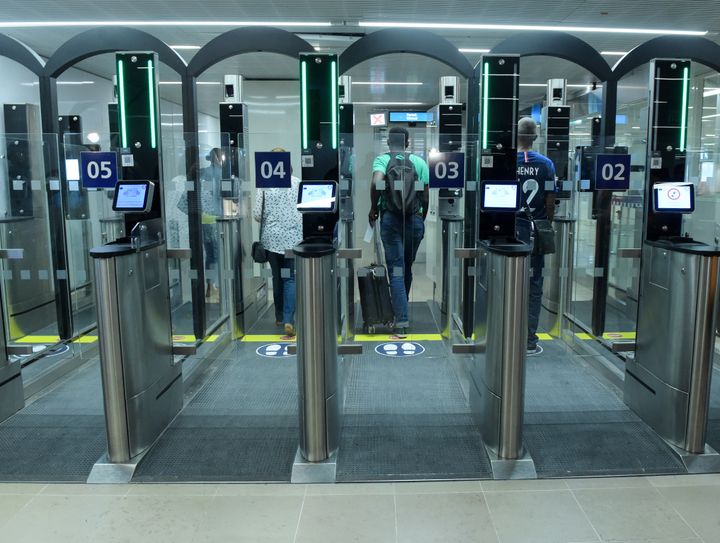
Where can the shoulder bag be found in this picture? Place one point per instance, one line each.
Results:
(544, 235)
(259, 253)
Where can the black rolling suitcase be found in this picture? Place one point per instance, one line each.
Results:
(374, 291)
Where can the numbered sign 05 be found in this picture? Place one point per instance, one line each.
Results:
(272, 170)
(612, 172)
(447, 170)
(98, 170)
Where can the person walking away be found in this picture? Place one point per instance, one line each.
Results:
(536, 174)
(276, 210)
(402, 216)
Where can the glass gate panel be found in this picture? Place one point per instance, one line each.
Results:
(28, 288)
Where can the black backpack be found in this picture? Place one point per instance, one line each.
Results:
(401, 169)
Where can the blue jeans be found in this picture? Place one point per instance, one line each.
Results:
(283, 272)
(401, 237)
(537, 263)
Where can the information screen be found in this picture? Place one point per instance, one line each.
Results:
(500, 196)
(674, 197)
(317, 197)
(133, 196)
(408, 116)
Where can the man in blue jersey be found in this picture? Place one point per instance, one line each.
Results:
(536, 174)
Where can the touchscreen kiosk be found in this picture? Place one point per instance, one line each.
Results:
(133, 196)
(498, 196)
(317, 197)
(674, 197)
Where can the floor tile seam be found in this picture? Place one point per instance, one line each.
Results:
(299, 520)
(586, 515)
(677, 511)
(489, 512)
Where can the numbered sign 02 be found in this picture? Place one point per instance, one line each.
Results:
(272, 170)
(447, 170)
(612, 172)
(98, 170)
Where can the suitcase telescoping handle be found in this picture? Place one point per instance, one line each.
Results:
(377, 245)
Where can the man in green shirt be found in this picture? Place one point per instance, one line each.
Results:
(400, 197)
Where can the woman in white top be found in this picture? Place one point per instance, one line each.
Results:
(281, 223)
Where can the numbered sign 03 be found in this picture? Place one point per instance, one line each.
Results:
(447, 170)
(272, 170)
(612, 172)
(98, 170)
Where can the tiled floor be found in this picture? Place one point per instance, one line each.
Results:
(671, 509)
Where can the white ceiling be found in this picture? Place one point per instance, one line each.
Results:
(345, 15)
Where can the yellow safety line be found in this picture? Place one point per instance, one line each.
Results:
(619, 335)
(583, 336)
(545, 337)
(86, 339)
(38, 339)
(266, 338)
(388, 337)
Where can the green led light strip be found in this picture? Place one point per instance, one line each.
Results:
(121, 93)
(151, 94)
(486, 82)
(683, 121)
(333, 92)
(303, 84)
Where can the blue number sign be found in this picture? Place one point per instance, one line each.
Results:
(98, 170)
(447, 170)
(272, 170)
(612, 172)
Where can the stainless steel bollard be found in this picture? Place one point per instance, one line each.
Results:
(111, 363)
(317, 340)
(668, 381)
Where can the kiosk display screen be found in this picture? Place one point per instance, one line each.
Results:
(317, 197)
(499, 196)
(133, 196)
(674, 197)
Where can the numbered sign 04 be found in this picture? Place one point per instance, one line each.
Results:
(98, 170)
(447, 170)
(272, 170)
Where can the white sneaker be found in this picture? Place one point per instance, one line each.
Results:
(536, 350)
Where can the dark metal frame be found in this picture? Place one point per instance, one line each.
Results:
(87, 44)
(231, 43)
(403, 40)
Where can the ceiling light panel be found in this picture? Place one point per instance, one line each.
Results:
(550, 28)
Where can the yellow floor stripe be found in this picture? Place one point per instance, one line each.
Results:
(583, 336)
(545, 337)
(388, 337)
(619, 335)
(86, 339)
(39, 339)
(266, 338)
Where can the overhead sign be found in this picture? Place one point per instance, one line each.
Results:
(447, 170)
(612, 172)
(273, 350)
(400, 349)
(98, 169)
(272, 170)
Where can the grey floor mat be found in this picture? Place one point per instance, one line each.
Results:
(576, 425)
(241, 426)
(407, 418)
(60, 435)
